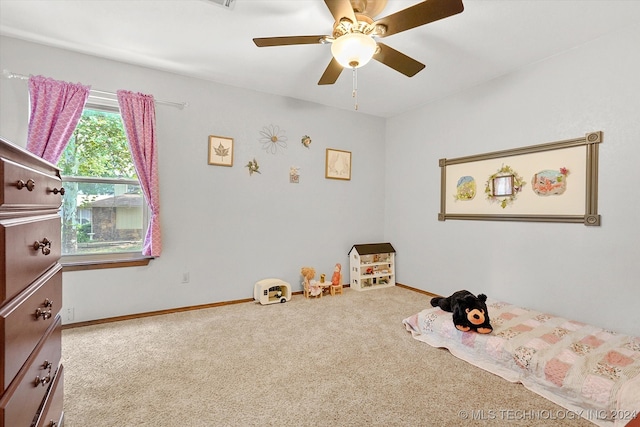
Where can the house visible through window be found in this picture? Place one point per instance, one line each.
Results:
(103, 211)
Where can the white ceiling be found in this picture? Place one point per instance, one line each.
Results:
(201, 39)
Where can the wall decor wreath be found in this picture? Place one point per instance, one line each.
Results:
(503, 186)
(253, 167)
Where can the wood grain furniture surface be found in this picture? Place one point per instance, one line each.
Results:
(31, 372)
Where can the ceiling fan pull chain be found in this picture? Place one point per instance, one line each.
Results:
(354, 94)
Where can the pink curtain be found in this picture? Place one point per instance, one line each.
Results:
(56, 108)
(139, 118)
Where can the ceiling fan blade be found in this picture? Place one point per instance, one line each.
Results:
(341, 9)
(288, 40)
(419, 14)
(397, 60)
(331, 74)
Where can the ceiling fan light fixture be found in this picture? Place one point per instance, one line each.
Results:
(353, 50)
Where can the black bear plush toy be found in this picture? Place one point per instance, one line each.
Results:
(469, 312)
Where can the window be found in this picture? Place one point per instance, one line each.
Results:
(104, 213)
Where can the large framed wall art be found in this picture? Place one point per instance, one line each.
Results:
(551, 182)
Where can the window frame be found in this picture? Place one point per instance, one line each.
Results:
(78, 262)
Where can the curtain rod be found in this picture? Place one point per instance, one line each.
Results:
(9, 75)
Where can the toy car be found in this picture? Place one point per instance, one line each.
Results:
(269, 291)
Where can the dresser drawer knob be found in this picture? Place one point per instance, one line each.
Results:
(45, 245)
(56, 191)
(45, 314)
(30, 185)
(42, 381)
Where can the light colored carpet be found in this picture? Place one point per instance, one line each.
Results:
(345, 360)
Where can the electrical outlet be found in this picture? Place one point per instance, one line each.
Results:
(70, 313)
(185, 277)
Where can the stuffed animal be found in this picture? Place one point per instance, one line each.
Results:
(469, 312)
(311, 287)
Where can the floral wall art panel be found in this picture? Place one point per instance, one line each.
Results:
(552, 182)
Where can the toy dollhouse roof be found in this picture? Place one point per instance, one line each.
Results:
(373, 248)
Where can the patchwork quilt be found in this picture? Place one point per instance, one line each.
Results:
(590, 371)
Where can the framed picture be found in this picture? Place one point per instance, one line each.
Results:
(220, 150)
(552, 182)
(338, 164)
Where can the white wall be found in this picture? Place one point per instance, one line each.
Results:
(590, 274)
(226, 228)
(229, 230)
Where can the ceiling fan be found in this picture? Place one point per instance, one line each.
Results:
(353, 41)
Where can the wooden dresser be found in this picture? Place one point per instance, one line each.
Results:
(31, 290)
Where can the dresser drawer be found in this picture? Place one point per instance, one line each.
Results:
(52, 411)
(28, 188)
(25, 319)
(22, 262)
(20, 402)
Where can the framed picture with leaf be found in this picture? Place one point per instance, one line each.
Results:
(220, 150)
